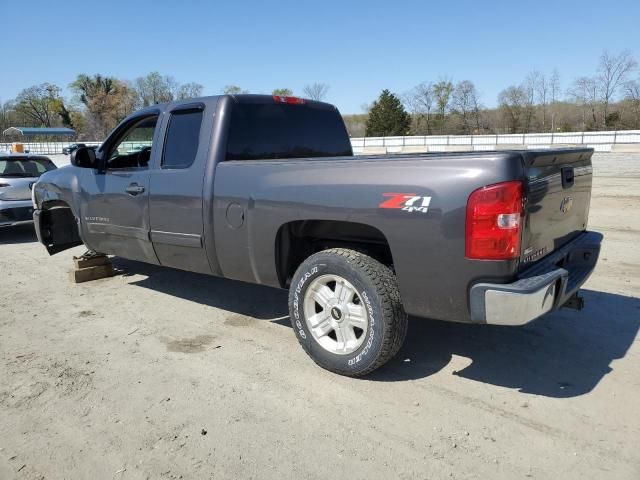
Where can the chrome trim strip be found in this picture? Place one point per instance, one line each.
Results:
(178, 239)
(118, 230)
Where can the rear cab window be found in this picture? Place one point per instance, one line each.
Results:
(182, 138)
(268, 128)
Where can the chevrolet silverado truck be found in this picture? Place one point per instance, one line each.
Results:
(266, 189)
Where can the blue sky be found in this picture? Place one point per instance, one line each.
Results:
(357, 47)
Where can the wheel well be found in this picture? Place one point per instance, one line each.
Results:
(58, 227)
(298, 240)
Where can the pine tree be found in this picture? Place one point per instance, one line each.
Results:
(387, 117)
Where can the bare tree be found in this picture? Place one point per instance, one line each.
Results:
(612, 74)
(554, 95)
(584, 92)
(155, 88)
(529, 87)
(419, 101)
(513, 101)
(233, 90)
(554, 86)
(542, 91)
(189, 90)
(7, 115)
(316, 91)
(477, 108)
(465, 102)
(632, 95)
(283, 92)
(442, 94)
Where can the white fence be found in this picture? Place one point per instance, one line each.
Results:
(46, 148)
(600, 141)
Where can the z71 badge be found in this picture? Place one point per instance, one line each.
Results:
(409, 202)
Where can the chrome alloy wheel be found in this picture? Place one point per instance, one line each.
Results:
(335, 314)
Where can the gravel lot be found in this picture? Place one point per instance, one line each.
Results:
(158, 373)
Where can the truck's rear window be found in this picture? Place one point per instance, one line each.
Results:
(272, 131)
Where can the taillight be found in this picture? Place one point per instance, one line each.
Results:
(494, 221)
(289, 100)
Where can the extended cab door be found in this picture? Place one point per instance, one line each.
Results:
(115, 203)
(175, 204)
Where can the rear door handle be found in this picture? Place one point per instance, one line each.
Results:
(134, 189)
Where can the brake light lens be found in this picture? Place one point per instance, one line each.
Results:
(288, 100)
(494, 222)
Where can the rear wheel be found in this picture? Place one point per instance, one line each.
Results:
(346, 311)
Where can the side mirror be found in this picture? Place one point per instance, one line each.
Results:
(84, 157)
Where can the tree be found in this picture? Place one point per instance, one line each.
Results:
(233, 90)
(40, 104)
(542, 87)
(584, 93)
(283, 92)
(65, 116)
(612, 74)
(465, 102)
(316, 91)
(554, 95)
(155, 88)
(442, 94)
(529, 88)
(107, 101)
(554, 86)
(189, 90)
(88, 88)
(512, 101)
(7, 115)
(356, 124)
(387, 117)
(419, 100)
(632, 95)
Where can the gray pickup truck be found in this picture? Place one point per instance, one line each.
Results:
(265, 189)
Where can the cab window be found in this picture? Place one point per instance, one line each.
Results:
(182, 139)
(133, 149)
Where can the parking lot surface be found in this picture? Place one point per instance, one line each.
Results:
(157, 373)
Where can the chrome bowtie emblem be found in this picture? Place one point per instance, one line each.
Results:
(566, 204)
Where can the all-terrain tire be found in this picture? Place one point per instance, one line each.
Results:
(377, 288)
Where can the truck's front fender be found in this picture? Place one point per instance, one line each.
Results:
(57, 215)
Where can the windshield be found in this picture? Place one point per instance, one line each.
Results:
(24, 167)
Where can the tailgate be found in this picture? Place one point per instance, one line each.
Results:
(558, 192)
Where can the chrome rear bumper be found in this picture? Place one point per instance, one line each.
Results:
(545, 286)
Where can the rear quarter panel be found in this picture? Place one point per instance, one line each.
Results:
(428, 248)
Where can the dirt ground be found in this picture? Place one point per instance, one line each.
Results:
(157, 373)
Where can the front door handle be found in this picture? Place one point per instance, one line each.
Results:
(134, 189)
